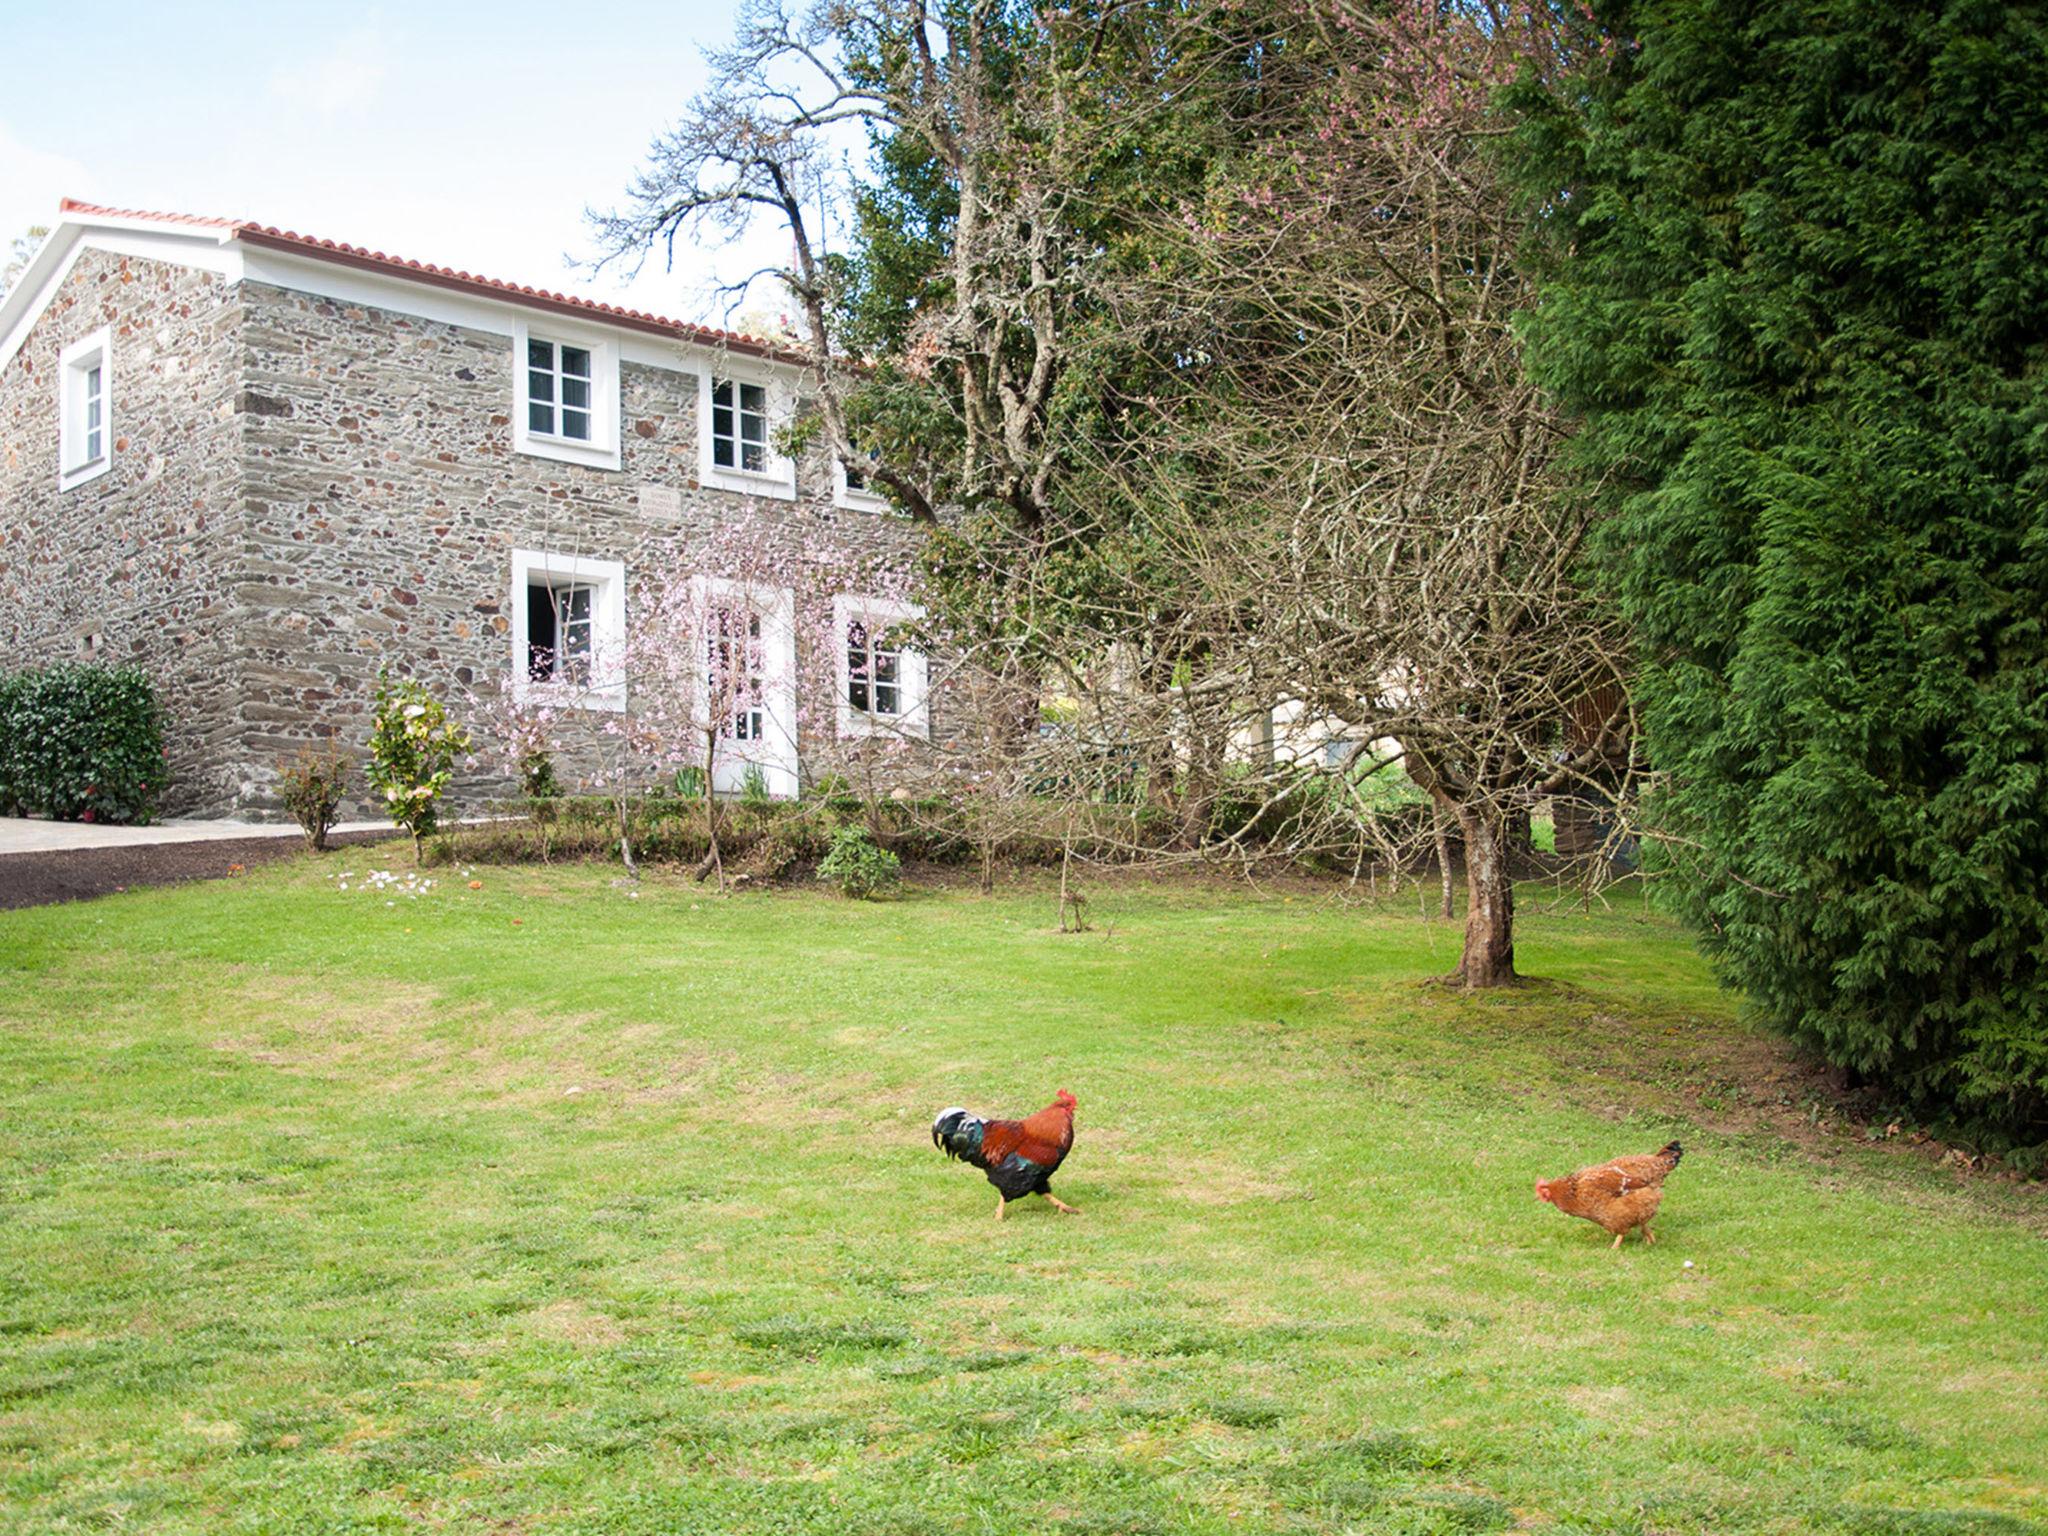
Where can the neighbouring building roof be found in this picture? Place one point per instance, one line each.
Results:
(249, 233)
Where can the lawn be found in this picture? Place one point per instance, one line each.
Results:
(551, 1207)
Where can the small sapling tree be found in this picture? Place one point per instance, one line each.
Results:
(413, 750)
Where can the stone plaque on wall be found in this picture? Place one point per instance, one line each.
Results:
(663, 501)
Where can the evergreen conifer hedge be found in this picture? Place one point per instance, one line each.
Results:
(1795, 261)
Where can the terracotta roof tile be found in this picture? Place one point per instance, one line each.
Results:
(269, 236)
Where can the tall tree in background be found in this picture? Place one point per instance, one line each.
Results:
(1372, 515)
(19, 254)
(1799, 299)
(962, 353)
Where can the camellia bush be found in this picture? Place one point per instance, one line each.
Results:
(413, 748)
(81, 743)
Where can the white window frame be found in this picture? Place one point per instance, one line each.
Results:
(74, 366)
(778, 479)
(914, 720)
(606, 689)
(602, 450)
(865, 499)
(774, 752)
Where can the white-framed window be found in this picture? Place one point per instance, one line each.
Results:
(884, 682)
(565, 395)
(853, 485)
(85, 409)
(568, 630)
(739, 425)
(749, 682)
(739, 410)
(558, 378)
(735, 665)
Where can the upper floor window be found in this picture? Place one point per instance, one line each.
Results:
(85, 445)
(558, 381)
(853, 484)
(565, 396)
(739, 426)
(737, 416)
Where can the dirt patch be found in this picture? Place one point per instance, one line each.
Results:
(78, 874)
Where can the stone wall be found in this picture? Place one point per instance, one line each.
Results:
(384, 500)
(138, 564)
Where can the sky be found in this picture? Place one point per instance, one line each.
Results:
(469, 135)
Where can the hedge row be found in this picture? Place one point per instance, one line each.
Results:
(80, 743)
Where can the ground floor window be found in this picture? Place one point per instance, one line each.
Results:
(568, 629)
(883, 678)
(558, 632)
(735, 671)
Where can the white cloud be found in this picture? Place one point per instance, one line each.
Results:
(31, 183)
(344, 78)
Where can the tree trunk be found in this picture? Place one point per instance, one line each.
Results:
(625, 837)
(1447, 907)
(1489, 958)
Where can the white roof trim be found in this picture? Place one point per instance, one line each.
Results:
(203, 246)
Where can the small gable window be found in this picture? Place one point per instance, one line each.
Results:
(739, 426)
(85, 410)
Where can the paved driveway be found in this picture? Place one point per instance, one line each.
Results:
(19, 835)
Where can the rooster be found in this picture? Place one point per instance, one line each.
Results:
(1620, 1195)
(1019, 1156)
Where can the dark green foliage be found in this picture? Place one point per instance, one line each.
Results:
(859, 866)
(81, 743)
(1796, 290)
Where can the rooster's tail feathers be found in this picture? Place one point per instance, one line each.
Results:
(957, 1133)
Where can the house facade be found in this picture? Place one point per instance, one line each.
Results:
(264, 466)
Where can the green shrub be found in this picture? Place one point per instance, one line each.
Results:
(860, 867)
(537, 779)
(312, 786)
(81, 743)
(413, 747)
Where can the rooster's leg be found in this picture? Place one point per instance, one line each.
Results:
(1649, 1236)
(1059, 1204)
(1002, 1206)
(1617, 1239)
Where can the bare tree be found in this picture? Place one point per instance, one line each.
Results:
(1379, 532)
(766, 140)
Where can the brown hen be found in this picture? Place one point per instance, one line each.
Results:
(1620, 1196)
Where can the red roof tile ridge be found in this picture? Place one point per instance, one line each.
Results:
(320, 246)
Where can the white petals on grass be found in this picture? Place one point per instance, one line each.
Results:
(382, 882)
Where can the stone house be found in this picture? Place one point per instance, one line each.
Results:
(264, 465)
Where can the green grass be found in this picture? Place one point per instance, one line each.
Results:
(546, 1208)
